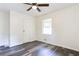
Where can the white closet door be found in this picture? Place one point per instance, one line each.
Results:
(4, 28)
(16, 29)
(22, 28)
(29, 29)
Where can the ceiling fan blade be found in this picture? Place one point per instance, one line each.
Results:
(34, 3)
(29, 8)
(28, 3)
(38, 9)
(41, 5)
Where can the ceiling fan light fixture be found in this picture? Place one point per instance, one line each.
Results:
(34, 7)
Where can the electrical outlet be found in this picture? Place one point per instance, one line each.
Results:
(45, 39)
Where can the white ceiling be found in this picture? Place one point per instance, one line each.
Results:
(22, 8)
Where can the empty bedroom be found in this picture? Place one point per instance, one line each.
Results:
(39, 29)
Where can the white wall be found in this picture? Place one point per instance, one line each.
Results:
(65, 28)
(4, 28)
(22, 28)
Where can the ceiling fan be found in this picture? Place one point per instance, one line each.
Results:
(36, 6)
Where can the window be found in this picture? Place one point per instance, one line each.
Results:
(47, 26)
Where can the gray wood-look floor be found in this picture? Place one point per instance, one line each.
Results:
(37, 48)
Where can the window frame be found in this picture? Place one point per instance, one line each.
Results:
(49, 21)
